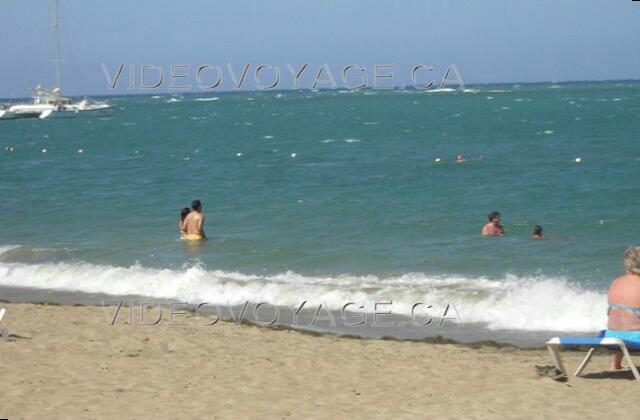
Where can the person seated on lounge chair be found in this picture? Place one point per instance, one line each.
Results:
(624, 304)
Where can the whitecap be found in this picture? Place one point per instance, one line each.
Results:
(526, 303)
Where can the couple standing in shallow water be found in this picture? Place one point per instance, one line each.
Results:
(192, 222)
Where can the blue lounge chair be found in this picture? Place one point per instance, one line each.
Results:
(610, 343)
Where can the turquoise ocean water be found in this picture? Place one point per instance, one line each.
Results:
(362, 213)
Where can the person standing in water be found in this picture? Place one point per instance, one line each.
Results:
(183, 214)
(193, 223)
(493, 228)
(537, 232)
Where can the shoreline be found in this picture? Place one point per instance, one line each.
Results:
(434, 340)
(67, 361)
(324, 322)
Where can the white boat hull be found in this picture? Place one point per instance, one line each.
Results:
(49, 111)
(27, 111)
(92, 111)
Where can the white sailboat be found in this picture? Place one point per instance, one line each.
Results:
(47, 103)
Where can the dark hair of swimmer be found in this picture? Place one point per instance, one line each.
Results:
(537, 230)
(196, 205)
(493, 215)
(184, 213)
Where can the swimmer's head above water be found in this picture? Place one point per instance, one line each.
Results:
(537, 232)
(196, 205)
(493, 228)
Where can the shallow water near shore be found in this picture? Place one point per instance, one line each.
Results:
(425, 326)
(361, 213)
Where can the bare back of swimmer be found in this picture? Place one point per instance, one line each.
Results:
(193, 224)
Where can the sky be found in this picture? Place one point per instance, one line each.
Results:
(490, 41)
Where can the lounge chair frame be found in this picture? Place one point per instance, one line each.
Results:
(3, 333)
(610, 343)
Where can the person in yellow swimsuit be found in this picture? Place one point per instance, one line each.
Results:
(192, 228)
(183, 213)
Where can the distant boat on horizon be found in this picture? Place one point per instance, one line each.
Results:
(452, 70)
(48, 103)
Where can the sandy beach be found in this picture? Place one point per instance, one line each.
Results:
(69, 362)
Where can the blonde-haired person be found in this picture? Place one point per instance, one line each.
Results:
(624, 303)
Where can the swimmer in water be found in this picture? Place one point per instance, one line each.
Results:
(493, 228)
(460, 158)
(193, 223)
(183, 213)
(537, 232)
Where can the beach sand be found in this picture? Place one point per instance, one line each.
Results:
(71, 363)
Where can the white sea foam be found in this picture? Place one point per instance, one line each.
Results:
(352, 140)
(215, 98)
(7, 248)
(511, 302)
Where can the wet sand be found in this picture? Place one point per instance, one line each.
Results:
(69, 362)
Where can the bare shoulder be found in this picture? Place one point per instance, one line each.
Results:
(618, 282)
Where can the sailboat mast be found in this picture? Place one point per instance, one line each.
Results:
(56, 41)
